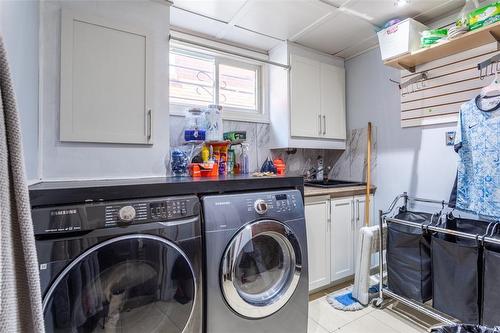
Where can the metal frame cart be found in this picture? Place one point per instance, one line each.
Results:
(384, 291)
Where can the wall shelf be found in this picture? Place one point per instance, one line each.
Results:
(465, 42)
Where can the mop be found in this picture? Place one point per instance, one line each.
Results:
(361, 293)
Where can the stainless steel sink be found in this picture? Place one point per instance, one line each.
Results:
(332, 183)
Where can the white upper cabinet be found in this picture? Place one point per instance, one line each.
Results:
(307, 103)
(305, 96)
(105, 81)
(333, 102)
(317, 95)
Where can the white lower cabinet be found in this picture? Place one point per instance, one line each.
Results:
(342, 239)
(333, 227)
(317, 210)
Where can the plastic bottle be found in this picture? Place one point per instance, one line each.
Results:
(213, 116)
(244, 168)
(231, 161)
(319, 173)
(205, 153)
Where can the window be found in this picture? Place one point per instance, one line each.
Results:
(199, 78)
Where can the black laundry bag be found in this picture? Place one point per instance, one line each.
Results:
(465, 329)
(457, 267)
(491, 285)
(409, 257)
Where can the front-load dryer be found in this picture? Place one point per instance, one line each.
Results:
(121, 266)
(256, 263)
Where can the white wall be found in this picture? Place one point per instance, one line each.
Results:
(415, 160)
(19, 30)
(83, 160)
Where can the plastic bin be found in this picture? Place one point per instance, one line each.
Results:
(457, 267)
(409, 257)
(401, 38)
(465, 329)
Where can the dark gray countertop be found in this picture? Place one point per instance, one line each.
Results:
(69, 192)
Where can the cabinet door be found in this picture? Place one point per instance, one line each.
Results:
(333, 102)
(342, 217)
(318, 241)
(105, 81)
(305, 97)
(359, 222)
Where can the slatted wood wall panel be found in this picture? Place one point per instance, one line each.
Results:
(451, 82)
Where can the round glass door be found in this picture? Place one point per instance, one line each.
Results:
(133, 283)
(261, 269)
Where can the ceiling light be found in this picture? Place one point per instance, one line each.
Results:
(401, 3)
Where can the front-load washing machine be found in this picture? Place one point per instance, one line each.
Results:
(121, 266)
(256, 263)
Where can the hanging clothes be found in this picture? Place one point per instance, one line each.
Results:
(20, 297)
(477, 142)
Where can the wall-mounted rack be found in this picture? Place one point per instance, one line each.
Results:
(488, 64)
(412, 85)
(465, 42)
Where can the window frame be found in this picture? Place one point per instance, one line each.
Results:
(260, 115)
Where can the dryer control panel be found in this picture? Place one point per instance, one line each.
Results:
(99, 215)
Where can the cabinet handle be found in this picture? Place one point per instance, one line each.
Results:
(320, 125)
(150, 120)
(324, 124)
(357, 210)
(330, 212)
(352, 212)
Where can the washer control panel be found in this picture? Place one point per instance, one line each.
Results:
(285, 202)
(97, 215)
(277, 203)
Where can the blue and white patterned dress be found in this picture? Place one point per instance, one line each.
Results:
(478, 144)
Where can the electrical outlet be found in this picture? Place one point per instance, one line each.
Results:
(450, 138)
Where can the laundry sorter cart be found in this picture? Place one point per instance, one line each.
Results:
(452, 260)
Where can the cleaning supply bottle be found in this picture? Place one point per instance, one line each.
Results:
(231, 161)
(244, 167)
(319, 170)
(205, 154)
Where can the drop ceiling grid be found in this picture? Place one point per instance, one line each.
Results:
(312, 23)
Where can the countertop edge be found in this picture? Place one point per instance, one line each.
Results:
(338, 192)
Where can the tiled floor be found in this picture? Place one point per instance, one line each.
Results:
(323, 318)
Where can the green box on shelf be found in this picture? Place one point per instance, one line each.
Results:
(484, 16)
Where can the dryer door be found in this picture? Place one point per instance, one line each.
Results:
(132, 283)
(261, 269)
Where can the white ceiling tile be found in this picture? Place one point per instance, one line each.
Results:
(245, 37)
(219, 9)
(337, 33)
(189, 21)
(443, 9)
(385, 10)
(358, 48)
(281, 18)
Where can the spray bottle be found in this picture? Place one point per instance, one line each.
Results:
(244, 159)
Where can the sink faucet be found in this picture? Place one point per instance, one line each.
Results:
(311, 173)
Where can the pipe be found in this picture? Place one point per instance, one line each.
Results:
(217, 49)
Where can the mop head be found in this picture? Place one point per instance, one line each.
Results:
(343, 299)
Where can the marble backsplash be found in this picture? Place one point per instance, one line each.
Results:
(347, 165)
(352, 163)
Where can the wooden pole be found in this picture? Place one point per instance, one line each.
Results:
(368, 174)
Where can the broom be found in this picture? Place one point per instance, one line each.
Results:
(344, 300)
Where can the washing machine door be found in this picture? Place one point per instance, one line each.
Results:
(131, 283)
(261, 269)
